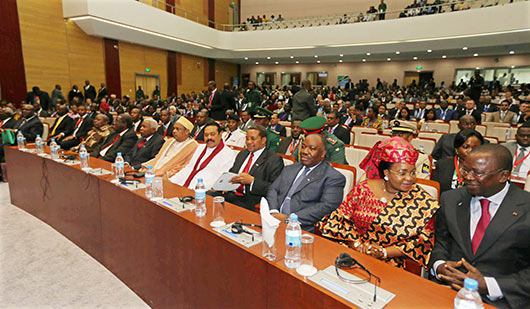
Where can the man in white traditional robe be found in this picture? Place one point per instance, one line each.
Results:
(208, 162)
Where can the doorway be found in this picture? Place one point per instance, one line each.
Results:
(148, 83)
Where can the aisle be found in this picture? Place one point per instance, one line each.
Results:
(39, 268)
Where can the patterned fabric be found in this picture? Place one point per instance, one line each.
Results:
(376, 124)
(393, 150)
(406, 222)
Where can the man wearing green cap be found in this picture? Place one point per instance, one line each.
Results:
(262, 118)
(335, 149)
(252, 97)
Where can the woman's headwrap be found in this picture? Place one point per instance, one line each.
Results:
(393, 150)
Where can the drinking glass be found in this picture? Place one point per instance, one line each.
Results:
(218, 211)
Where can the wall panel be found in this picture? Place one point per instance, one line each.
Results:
(224, 72)
(193, 74)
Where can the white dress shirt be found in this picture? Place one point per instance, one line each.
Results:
(257, 154)
(494, 290)
(525, 165)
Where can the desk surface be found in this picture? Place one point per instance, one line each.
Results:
(175, 259)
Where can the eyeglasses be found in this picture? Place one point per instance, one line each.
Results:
(474, 174)
(345, 261)
(403, 174)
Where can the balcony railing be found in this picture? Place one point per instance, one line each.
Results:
(420, 9)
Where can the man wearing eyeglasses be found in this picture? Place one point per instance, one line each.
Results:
(483, 231)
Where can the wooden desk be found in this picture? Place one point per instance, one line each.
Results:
(177, 260)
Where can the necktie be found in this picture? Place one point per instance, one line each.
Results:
(519, 159)
(109, 145)
(482, 225)
(286, 205)
(78, 122)
(239, 190)
(140, 144)
(57, 125)
(22, 123)
(2, 123)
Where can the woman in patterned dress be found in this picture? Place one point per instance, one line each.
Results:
(387, 216)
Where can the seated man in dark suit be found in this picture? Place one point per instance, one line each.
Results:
(274, 125)
(256, 168)
(311, 188)
(83, 124)
(444, 112)
(483, 231)
(334, 127)
(63, 125)
(29, 125)
(6, 118)
(445, 146)
(121, 140)
(290, 143)
(286, 115)
(166, 129)
(471, 110)
(198, 129)
(147, 146)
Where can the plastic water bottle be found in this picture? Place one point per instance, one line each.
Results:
(200, 198)
(422, 150)
(83, 158)
(149, 175)
(293, 246)
(468, 297)
(508, 134)
(21, 141)
(39, 145)
(426, 127)
(54, 150)
(119, 166)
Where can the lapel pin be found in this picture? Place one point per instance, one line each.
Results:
(514, 213)
(460, 204)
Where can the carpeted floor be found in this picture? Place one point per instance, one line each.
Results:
(39, 268)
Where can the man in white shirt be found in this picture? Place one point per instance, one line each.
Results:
(208, 162)
(483, 231)
(234, 136)
(520, 151)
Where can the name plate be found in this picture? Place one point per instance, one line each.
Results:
(361, 294)
(69, 162)
(133, 186)
(248, 239)
(99, 171)
(176, 205)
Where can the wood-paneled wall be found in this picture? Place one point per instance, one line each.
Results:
(135, 59)
(224, 72)
(192, 72)
(57, 51)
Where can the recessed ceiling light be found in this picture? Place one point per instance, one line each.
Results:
(283, 72)
(341, 55)
(292, 57)
(340, 60)
(318, 61)
(257, 62)
(513, 66)
(397, 53)
(268, 58)
(512, 52)
(475, 55)
(429, 50)
(415, 58)
(364, 60)
(388, 59)
(478, 68)
(276, 62)
(444, 56)
(464, 48)
(316, 56)
(368, 54)
(246, 58)
(297, 61)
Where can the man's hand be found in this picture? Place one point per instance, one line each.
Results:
(243, 178)
(68, 138)
(279, 216)
(474, 273)
(449, 273)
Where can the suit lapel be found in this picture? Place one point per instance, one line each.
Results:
(238, 163)
(507, 214)
(463, 210)
(259, 162)
(312, 176)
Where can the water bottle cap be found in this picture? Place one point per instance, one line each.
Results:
(118, 154)
(293, 217)
(53, 139)
(471, 284)
(149, 166)
(38, 135)
(199, 180)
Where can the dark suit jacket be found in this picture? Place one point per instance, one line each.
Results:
(280, 129)
(475, 114)
(443, 174)
(490, 108)
(317, 196)
(10, 124)
(30, 129)
(285, 116)
(102, 92)
(149, 150)
(444, 147)
(66, 126)
(303, 105)
(228, 100)
(342, 133)
(504, 252)
(284, 145)
(265, 170)
(448, 114)
(84, 127)
(124, 144)
(200, 137)
(44, 99)
(219, 106)
(162, 132)
(90, 92)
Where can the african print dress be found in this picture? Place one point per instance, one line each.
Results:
(407, 222)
